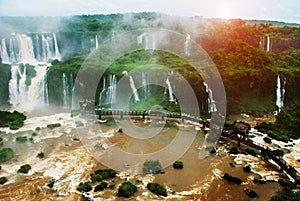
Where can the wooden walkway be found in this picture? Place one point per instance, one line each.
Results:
(284, 166)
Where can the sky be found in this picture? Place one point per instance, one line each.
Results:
(280, 10)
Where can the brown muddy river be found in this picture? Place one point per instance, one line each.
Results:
(70, 158)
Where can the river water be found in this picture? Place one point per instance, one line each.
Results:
(69, 160)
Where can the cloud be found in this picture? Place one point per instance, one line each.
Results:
(283, 9)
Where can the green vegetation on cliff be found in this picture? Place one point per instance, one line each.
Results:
(286, 126)
(13, 120)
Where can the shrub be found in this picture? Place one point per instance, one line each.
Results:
(3, 180)
(232, 179)
(157, 189)
(1, 141)
(37, 128)
(21, 138)
(6, 154)
(55, 125)
(106, 173)
(84, 187)
(126, 189)
(178, 165)
(267, 140)
(24, 169)
(152, 166)
(101, 186)
(13, 120)
(34, 134)
(96, 177)
(40, 155)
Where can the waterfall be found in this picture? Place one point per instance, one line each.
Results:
(101, 95)
(14, 86)
(37, 88)
(171, 97)
(56, 50)
(12, 54)
(31, 49)
(4, 54)
(187, 45)
(26, 49)
(211, 104)
(148, 41)
(65, 90)
(109, 90)
(112, 89)
(145, 85)
(268, 44)
(97, 44)
(46, 52)
(280, 91)
(34, 49)
(134, 91)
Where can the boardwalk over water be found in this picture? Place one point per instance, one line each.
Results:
(265, 151)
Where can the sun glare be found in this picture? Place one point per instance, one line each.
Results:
(226, 11)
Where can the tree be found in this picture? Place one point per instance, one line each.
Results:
(6, 154)
(126, 189)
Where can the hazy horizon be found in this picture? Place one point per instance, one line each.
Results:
(278, 10)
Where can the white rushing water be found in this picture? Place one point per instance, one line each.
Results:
(145, 86)
(280, 91)
(134, 90)
(187, 45)
(170, 89)
(96, 42)
(268, 44)
(4, 54)
(27, 89)
(148, 41)
(109, 91)
(211, 104)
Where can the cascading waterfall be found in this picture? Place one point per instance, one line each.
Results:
(56, 49)
(65, 90)
(21, 94)
(4, 54)
(34, 49)
(134, 90)
(102, 93)
(280, 91)
(46, 49)
(14, 97)
(37, 89)
(187, 45)
(145, 86)
(148, 41)
(170, 89)
(96, 42)
(12, 52)
(268, 44)
(26, 49)
(211, 104)
(109, 90)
